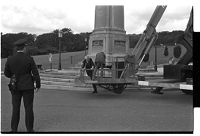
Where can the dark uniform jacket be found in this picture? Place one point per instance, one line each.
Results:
(25, 70)
(88, 64)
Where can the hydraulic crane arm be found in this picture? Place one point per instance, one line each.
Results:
(149, 36)
(145, 42)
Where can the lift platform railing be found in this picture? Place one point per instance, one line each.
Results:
(114, 72)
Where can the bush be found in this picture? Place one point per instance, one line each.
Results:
(177, 51)
(166, 52)
(32, 50)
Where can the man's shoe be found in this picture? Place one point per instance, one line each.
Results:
(156, 92)
(94, 92)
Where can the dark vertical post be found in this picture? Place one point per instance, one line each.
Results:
(155, 67)
(51, 66)
(85, 45)
(59, 66)
(59, 40)
(71, 59)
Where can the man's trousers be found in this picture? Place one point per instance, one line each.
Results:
(28, 96)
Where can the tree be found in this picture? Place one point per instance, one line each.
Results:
(133, 39)
(67, 30)
(7, 42)
(166, 52)
(177, 51)
(48, 42)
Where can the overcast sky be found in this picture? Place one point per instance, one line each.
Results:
(44, 16)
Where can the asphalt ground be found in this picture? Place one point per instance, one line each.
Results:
(135, 110)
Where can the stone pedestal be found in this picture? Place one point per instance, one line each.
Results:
(109, 35)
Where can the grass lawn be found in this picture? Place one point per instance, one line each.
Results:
(72, 58)
(67, 60)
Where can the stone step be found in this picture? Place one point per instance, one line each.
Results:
(58, 87)
(68, 70)
(68, 84)
(59, 76)
(79, 88)
(61, 73)
(65, 81)
(55, 79)
(64, 84)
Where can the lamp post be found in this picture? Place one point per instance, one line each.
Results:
(59, 40)
(86, 39)
(34, 39)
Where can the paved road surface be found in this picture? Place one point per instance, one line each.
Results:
(79, 111)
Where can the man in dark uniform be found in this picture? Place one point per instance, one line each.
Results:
(26, 73)
(88, 64)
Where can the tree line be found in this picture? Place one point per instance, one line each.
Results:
(166, 38)
(45, 43)
(70, 42)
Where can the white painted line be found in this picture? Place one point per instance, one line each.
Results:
(186, 87)
(145, 83)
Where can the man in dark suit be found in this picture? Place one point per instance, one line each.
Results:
(88, 64)
(23, 67)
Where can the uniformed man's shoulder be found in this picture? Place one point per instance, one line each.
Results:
(10, 57)
(26, 57)
(29, 57)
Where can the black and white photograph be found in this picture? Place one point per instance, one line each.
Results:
(97, 66)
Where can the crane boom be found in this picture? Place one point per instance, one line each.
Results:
(144, 44)
(149, 35)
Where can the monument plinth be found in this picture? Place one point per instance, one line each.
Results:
(108, 35)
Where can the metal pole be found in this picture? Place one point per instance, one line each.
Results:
(85, 45)
(71, 59)
(59, 39)
(85, 51)
(155, 67)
